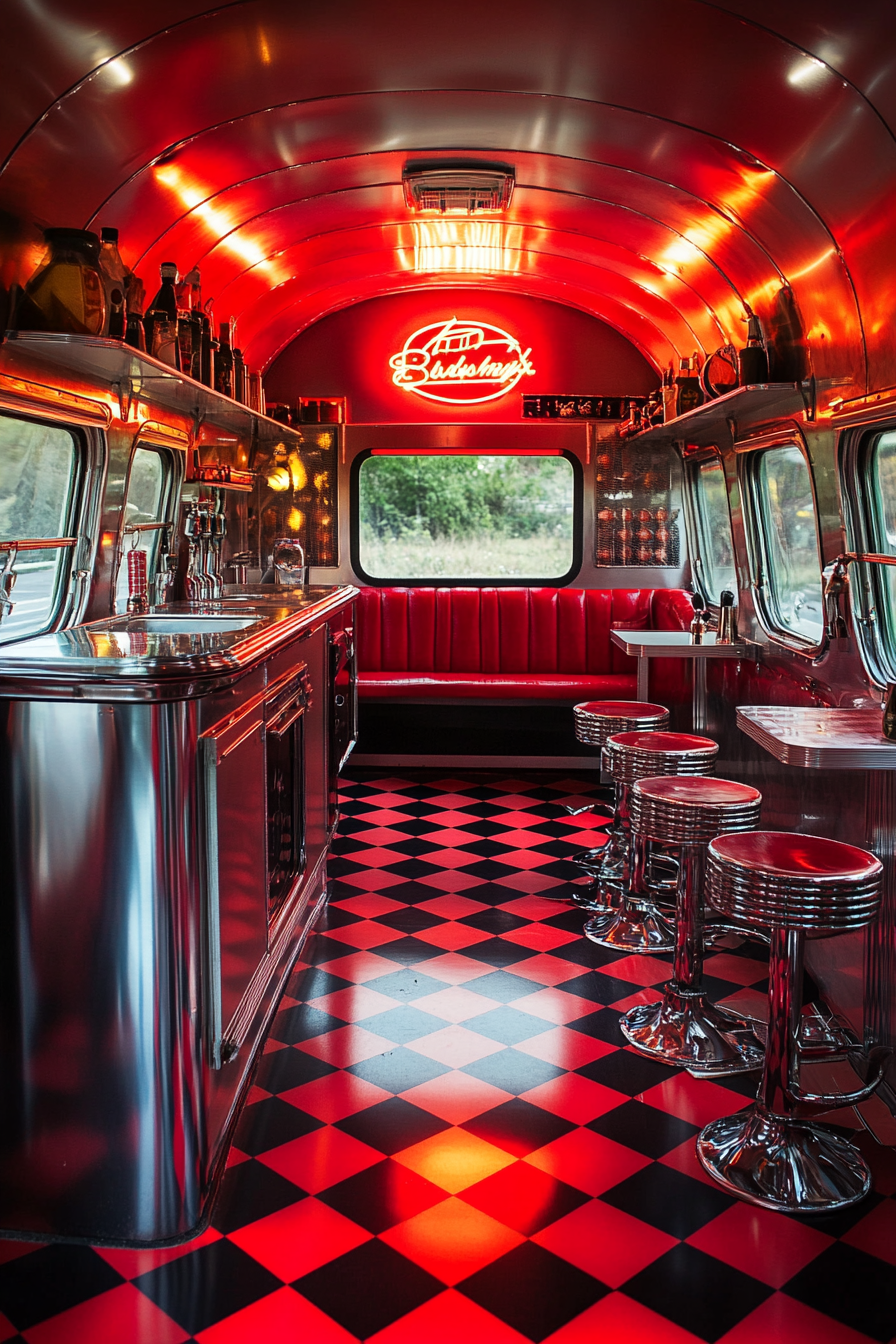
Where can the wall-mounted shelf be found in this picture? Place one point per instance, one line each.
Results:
(745, 405)
(134, 374)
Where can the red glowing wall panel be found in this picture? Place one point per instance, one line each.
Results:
(348, 355)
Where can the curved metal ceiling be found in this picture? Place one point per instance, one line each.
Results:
(675, 159)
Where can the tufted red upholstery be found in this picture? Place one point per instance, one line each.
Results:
(508, 643)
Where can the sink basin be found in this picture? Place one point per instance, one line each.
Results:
(184, 625)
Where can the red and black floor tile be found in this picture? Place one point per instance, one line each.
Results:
(448, 1138)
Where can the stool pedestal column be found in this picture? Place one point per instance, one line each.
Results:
(684, 1027)
(767, 1155)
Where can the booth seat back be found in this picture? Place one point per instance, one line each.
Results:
(509, 630)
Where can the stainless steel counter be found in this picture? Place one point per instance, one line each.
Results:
(820, 739)
(164, 828)
(174, 652)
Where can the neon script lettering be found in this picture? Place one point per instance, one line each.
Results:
(460, 361)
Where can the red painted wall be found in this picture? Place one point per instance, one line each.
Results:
(347, 355)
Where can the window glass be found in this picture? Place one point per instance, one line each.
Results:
(714, 557)
(479, 517)
(881, 505)
(145, 496)
(788, 538)
(38, 469)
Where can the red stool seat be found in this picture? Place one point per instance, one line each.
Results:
(699, 791)
(623, 709)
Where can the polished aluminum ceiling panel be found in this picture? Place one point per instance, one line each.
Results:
(674, 161)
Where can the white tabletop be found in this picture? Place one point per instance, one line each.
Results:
(820, 739)
(675, 644)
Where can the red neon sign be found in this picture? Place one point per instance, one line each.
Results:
(460, 361)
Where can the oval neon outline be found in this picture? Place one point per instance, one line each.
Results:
(412, 363)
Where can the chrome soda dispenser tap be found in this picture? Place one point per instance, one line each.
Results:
(194, 583)
(205, 527)
(217, 529)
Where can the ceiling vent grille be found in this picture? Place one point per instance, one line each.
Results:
(458, 188)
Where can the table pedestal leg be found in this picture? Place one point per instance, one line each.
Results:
(643, 679)
(698, 702)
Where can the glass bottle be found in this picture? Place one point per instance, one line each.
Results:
(699, 623)
(752, 361)
(224, 362)
(135, 298)
(688, 384)
(239, 377)
(114, 275)
(727, 619)
(165, 301)
(164, 337)
(192, 289)
(66, 293)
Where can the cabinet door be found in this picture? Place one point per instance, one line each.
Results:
(232, 763)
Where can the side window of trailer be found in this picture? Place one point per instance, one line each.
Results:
(870, 493)
(146, 502)
(41, 467)
(709, 526)
(783, 543)
(430, 517)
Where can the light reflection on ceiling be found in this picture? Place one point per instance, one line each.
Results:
(675, 161)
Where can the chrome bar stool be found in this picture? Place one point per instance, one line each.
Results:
(632, 922)
(793, 885)
(595, 722)
(684, 1027)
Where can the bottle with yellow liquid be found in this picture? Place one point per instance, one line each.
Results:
(66, 292)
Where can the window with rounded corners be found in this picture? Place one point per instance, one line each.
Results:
(146, 500)
(431, 517)
(783, 542)
(868, 483)
(42, 480)
(709, 526)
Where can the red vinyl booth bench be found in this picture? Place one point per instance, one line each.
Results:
(549, 644)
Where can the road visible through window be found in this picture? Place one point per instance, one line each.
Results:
(466, 517)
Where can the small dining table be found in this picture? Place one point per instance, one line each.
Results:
(647, 644)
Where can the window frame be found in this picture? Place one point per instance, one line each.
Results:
(72, 583)
(875, 630)
(444, 581)
(170, 493)
(749, 461)
(693, 462)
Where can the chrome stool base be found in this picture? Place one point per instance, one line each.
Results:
(687, 1030)
(783, 1164)
(632, 928)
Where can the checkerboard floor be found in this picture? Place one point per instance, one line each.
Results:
(448, 1141)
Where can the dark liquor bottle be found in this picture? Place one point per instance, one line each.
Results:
(752, 361)
(224, 362)
(135, 298)
(239, 377)
(688, 384)
(165, 301)
(205, 350)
